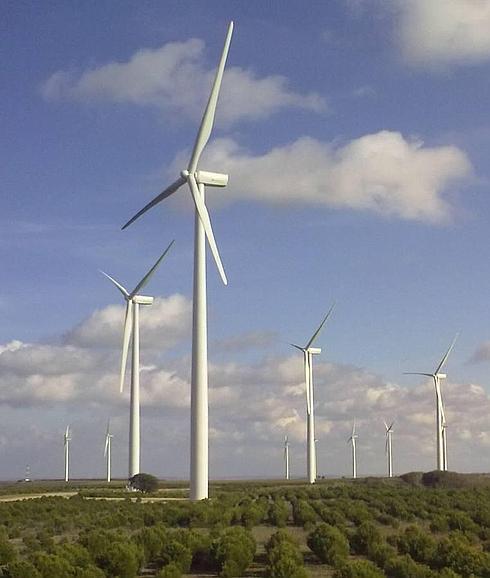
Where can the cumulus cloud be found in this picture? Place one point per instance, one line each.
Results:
(175, 78)
(445, 31)
(162, 325)
(383, 172)
(252, 405)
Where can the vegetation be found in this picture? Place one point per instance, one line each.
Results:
(421, 526)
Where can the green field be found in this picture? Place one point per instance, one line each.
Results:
(427, 526)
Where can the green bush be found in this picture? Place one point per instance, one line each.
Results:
(364, 537)
(420, 545)
(21, 569)
(284, 559)
(358, 569)
(170, 571)
(233, 551)
(7, 551)
(405, 567)
(329, 544)
(49, 565)
(174, 552)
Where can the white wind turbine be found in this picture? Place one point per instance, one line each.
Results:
(308, 352)
(352, 440)
(286, 457)
(131, 325)
(441, 424)
(107, 449)
(197, 180)
(389, 447)
(66, 445)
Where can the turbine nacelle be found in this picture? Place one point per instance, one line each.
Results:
(207, 178)
(142, 300)
(314, 350)
(441, 375)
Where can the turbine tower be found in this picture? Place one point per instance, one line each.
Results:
(441, 424)
(197, 180)
(131, 325)
(286, 457)
(107, 449)
(352, 440)
(389, 447)
(66, 444)
(308, 353)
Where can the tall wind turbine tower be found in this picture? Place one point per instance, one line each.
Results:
(308, 353)
(352, 441)
(389, 447)
(197, 180)
(107, 449)
(286, 457)
(441, 424)
(66, 444)
(132, 325)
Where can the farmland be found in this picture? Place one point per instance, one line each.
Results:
(427, 526)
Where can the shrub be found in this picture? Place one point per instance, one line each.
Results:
(284, 559)
(88, 572)
(174, 552)
(7, 552)
(170, 571)
(145, 483)
(420, 545)
(21, 569)
(358, 569)
(405, 567)
(278, 513)
(329, 544)
(233, 551)
(366, 535)
(50, 565)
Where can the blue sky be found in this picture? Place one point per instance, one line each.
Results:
(356, 136)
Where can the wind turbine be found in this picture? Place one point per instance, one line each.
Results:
(352, 440)
(389, 448)
(107, 449)
(197, 180)
(308, 353)
(131, 324)
(66, 444)
(286, 457)
(441, 424)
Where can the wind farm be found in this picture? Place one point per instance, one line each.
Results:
(329, 153)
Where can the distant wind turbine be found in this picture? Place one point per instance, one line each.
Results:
(66, 444)
(107, 449)
(441, 424)
(197, 180)
(389, 447)
(286, 457)
(308, 352)
(131, 324)
(352, 440)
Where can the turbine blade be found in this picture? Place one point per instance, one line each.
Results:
(163, 195)
(386, 445)
(418, 373)
(310, 342)
(386, 425)
(444, 359)
(208, 117)
(118, 285)
(106, 445)
(297, 347)
(148, 276)
(206, 222)
(391, 425)
(128, 326)
(108, 427)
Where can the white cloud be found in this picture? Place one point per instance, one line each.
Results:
(175, 78)
(383, 172)
(162, 325)
(445, 31)
(252, 407)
